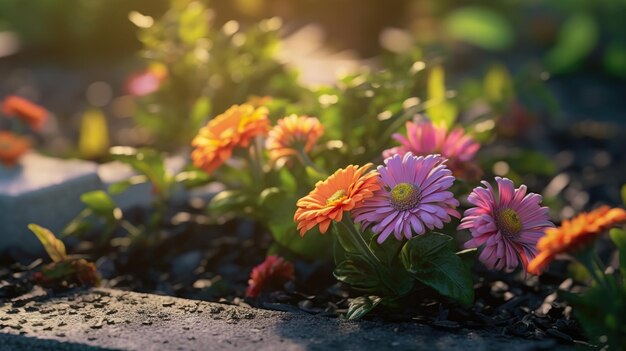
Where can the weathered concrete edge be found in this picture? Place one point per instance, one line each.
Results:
(112, 319)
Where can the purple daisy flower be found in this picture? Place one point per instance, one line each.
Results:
(413, 197)
(507, 224)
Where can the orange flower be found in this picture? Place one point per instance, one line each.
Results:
(292, 134)
(12, 148)
(234, 128)
(574, 234)
(343, 191)
(34, 115)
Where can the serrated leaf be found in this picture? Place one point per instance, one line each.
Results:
(53, 246)
(429, 260)
(361, 306)
(358, 273)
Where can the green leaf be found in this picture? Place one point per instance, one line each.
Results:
(577, 39)
(122, 186)
(287, 181)
(53, 246)
(94, 135)
(359, 274)
(624, 194)
(498, 86)
(147, 162)
(200, 112)
(619, 238)
(428, 259)
(361, 306)
(193, 23)
(479, 26)
(279, 208)
(440, 110)
(101, 204)
(227, 201)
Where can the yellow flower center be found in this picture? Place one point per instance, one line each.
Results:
(336, 196)
(509, 222)
(404, 196)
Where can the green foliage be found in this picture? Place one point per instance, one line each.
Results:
(361, 306)
(390, 270)
(429, 259)
(480, 26)
(440, 110)
(619, 239)
(209, 68)
(577, 38)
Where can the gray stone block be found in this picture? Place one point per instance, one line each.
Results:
(42, 190)
(139, 195)
(111, 319)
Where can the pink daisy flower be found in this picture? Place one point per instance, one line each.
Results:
(423, 138)
(508, 224)
(413, 197)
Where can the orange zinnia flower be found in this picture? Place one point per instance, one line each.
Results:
(234, 128)
(292, 135)
(574, 234)
(34, 115)
(343, 191)
(12, 148)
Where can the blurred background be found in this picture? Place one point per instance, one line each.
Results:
(99, 67)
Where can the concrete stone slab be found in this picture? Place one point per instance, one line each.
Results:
(43, 190)
(139, 195)
(111, 319)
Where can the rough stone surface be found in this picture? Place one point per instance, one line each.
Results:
(111, 319)
(43, 190)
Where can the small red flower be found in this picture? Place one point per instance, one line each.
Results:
(270, 274)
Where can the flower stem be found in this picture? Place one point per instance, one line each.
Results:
(357, 240)
(307, 162)
(255, 163)
(383, 272)
(593, 266)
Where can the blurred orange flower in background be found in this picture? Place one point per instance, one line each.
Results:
(234, 128)
(12, 147)
(34, 115)
(292, 135)
(343, 191)
(574, 234)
